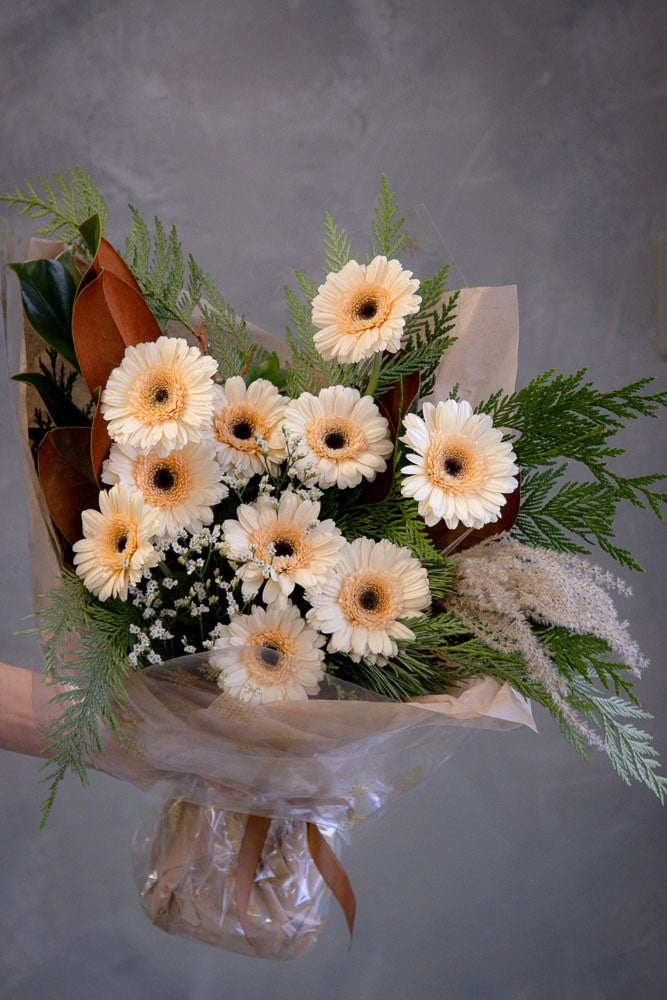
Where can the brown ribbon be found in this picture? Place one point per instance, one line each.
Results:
(254, 836)
(326, 862)
(333, 874)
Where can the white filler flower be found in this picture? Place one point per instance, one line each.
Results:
(373, 585)
(247, 425)
(116, 546)
(182, 486)
(341, 437)
(461, 469)
(361, 309)
(284, 544)
(161, 396)
(269, 655)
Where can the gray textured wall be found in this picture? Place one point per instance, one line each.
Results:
(534, 133)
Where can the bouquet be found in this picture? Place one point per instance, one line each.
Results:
(289, 578)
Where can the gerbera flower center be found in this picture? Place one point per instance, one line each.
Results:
(337, 438)
(237, 426)
(242, 429)
(159, 396)
(163, 482)
(367, 308)
(283, 547)
(369, 599)
(364, 307)
(282, 544)
(454, 465)
(120, 543)
(269, 656)
(163, 478)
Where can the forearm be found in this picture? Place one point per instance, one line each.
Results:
(18, 727)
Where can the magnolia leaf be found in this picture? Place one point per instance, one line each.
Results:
(446, 538)
(70, 261)
(59, 406)
(67, 480)
(109, 316)
(393, 405)
(105, 258)
(100, 442)
(47, 292)
(91, 230)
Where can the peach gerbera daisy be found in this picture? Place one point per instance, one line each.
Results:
(342, 437)
(269, 655)
(361, 309)
(160, 396)
(461, 469)
(373, 585)
(182, 486)
(243, 418)
(284, 544)
(116, 546)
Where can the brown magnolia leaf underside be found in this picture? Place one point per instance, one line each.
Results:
(100, 442)
(108, 317)
(108, 259)
(393, 405)
(66, 477)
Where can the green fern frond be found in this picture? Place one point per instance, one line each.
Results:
(307, 370)
(388, 236)
(86, 645)
(337, 246)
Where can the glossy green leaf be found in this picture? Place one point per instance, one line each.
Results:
(47, 292)
(59, 407)
(67, 259)
(91, 230)
(270, 370)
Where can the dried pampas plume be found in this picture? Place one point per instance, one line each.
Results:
(503, 586)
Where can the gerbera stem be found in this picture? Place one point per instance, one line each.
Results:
(375, 374)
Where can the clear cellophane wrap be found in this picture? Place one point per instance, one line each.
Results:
(325, 764)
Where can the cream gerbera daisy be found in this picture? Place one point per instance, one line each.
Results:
(284, 542)
(461, 469)
(116, 545)
(342, 436)
(182, 486)
(361, 309)
(243, 414)
(160, 396)
(373, 585)
(269, 655)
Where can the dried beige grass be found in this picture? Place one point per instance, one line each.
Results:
(504, 586)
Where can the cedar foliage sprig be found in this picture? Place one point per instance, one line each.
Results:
(86, 649)
(425, 344)
(558, 417)
(630, 750)
(176, 286)
(66, 201)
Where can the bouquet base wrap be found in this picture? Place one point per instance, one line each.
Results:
(309, 771)
(186, 870)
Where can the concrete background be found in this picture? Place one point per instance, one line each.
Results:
(535, 134)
